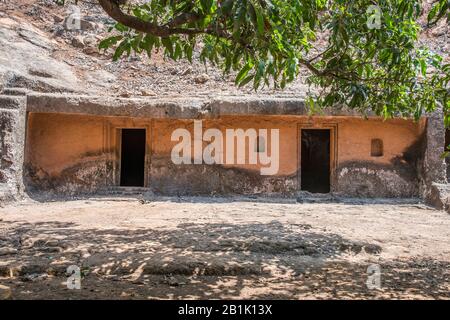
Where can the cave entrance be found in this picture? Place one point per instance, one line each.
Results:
(132, 165)
(315, 160)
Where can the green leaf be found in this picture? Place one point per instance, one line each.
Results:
(243, 73)
(167, 43)
(246, 80)
(259, 19)
(125, 45)
(206, 5)
(109, 42)
(384, 70)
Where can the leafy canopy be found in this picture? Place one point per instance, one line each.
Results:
(347, 61)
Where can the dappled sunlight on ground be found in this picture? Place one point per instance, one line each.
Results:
(223, 249)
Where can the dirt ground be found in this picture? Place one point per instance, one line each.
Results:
(223, 248)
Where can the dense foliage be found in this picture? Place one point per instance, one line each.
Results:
(353, 53)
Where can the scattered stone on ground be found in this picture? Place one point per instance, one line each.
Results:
(224, 248)
(5, 292)
(201, 79)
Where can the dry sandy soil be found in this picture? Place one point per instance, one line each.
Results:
(224, 248)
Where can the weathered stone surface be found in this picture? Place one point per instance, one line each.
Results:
(176, 108)
(438, 196)
(14, 91)
(12, 141)
(416, 166)
(434, 164)
(265, 105)
(83, 173)
(78, 42)
(398, 179)
(433, 170)
(371, 180)
(5, 251)
(148, 93)
(170, 179)
(276, 106)
(26, 61)
(85, 177)
(5, 292)
(202, 78)
(85, 25)
(111, 106)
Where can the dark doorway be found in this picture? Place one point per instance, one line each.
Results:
(315, 160)
(132, 158)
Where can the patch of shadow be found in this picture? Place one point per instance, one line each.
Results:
(198, 180)
(16, 80)
(39, 73)
(35, 38)
(371, 179)
(215, 249)
(199, 258)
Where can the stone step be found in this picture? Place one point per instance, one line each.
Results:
(115, 198)
(308, 197)
(15, 91)
(124, 191)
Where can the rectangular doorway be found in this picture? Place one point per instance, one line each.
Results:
(132, 163)
(315, 160)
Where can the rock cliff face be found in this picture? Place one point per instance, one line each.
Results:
(39, 51)
(26, 61)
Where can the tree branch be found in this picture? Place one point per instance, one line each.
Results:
(187, 17)
(112, 8)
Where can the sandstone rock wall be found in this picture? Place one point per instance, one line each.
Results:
(12, 132)
(433, 177)
(81, 153)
